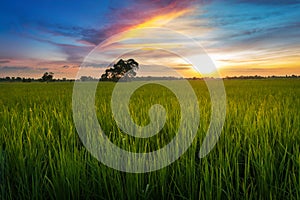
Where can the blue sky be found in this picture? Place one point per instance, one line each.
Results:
(242, 37)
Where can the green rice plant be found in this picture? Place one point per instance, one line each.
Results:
(256, 157)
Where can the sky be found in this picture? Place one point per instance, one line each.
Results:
(241, 37)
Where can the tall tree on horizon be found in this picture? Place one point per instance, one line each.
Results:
(123, 68)
(48, 76)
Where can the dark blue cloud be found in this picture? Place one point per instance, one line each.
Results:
(269, 2)
(239, 24)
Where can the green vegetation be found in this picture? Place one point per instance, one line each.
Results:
(257, 156)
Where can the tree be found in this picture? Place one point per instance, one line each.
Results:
(123, 68)
(47, 76)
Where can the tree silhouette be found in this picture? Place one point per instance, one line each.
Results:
(47, 76)
(123, 68)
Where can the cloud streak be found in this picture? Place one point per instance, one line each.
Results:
(4, 61)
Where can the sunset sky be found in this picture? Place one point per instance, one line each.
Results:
(242, 37)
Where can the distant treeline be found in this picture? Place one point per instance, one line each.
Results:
(143, 78)
(261, 77)
(19, 79)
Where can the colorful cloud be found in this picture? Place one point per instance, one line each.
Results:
(241, 36)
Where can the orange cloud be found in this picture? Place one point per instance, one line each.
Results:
(162, 19)
(148, 14)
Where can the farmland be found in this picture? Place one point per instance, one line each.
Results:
(256, 157)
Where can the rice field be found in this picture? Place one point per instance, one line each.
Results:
(256, 157)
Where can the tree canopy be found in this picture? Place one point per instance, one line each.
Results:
(123, 68)
(48, 76)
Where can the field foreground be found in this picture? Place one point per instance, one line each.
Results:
(257, 156)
